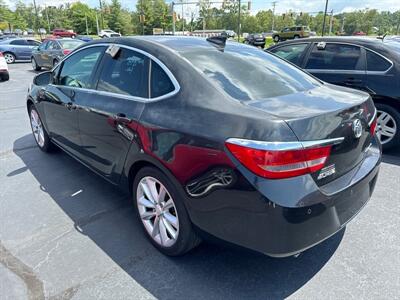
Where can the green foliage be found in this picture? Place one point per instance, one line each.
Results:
(81, 18)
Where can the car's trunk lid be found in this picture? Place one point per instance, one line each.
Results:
(327, 113)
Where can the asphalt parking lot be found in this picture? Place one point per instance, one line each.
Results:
(67, 234)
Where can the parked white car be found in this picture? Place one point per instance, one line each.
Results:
(4, 75)
(107, 33)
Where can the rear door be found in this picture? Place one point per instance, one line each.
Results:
(109, 118)
(338, 63)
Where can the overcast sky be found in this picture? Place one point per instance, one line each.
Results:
(281, 5)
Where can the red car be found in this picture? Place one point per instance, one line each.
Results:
(64, 33)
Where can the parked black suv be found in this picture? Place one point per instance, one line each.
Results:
(255, 39)
(366, 64)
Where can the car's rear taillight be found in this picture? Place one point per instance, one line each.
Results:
(1, 54)
(66, 51)
(280, 163)
(372, 126)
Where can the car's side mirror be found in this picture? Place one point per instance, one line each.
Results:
(43, 78)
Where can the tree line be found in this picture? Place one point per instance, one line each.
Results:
(149, 14)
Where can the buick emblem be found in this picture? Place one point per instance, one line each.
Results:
(357, 128)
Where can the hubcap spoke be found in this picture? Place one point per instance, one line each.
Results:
(161, 194)
(156, 227)
(169, 204)
(171, 230)
(171, 219)
(163, 232)
(147, 192)
(146, 203)
(148, 215)
(151, 184)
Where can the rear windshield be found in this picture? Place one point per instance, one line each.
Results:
(70, 44)
(247, 73)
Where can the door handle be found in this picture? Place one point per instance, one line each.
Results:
(122, 118)
(353, 81)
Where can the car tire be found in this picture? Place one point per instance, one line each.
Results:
(5, 77)
(9, 57)
(152, 213)
(262, 46)
(104, 36)
(35, 66)
(40, 135)
(276, 38)
(296, 37)
(388, 117)
(73, 36)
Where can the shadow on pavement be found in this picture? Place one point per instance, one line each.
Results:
(211, 271)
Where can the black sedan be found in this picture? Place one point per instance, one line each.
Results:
(256, 39)
(214, 137)
(366, 64)
(50, 52)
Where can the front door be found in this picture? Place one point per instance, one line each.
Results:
(336, 63)
(73, 84)
(108, 119)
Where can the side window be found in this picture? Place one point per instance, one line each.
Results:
(19, 42)
(44, 45)
(376, 62)
(127, 73)
(160, 82)
(78, 69)
(33, 43)
(335, 57)
(291, 53)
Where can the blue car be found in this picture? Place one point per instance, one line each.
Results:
(17, 49)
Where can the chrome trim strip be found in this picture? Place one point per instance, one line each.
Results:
(373, 117)
(177, 87)
(284, 146)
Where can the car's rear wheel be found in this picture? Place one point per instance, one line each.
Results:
(276, 38)
(5, 76)
(35, 66)
(73, 36)
(296, 37)
(9, 57)
(39, 132)
(388, 125)
(162, 213)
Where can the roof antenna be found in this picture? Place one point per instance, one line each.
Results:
(218, 41)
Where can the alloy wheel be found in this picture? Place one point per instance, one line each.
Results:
(386, 127)
(37, 128)
(34, 65)
(9, 58)
(157, 211)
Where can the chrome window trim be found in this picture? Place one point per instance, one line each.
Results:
(176, 90)
(284, 146)
(353, 71)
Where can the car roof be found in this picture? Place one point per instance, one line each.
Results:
(171, 42)
(363, 41)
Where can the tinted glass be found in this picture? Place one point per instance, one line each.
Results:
(376, 62)
(70, 44)
(43, 46)
(78, 68)
(126, 74)
(291, 53)
(246, 73)
(33, 43)
(19, 42)
(160, 82)
(53, 46)
(335, 57)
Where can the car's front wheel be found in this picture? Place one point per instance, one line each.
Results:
(162, 213)
(388, 125)
(39, 132)
(35, 66)
(9, 57)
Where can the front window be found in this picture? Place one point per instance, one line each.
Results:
(247, 73)
(77, 70)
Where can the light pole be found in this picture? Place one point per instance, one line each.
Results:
(323, 24)
(37, 19)
(239, 22)
(273, 15)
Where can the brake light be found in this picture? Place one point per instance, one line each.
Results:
(1, 54)
(66, 51)
(278, 164)
(372, 127)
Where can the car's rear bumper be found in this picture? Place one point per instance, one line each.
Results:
(246, 217)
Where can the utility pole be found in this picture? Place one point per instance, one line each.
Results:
(97, 24)
(48, 19)
(273, 15)
(87, 28)
(101, 15)
(342, 29)
(239, 25)
(173, 17)
(37, 19)
(323, 24)
(331, 23)
(142, 16)
(183, 21)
